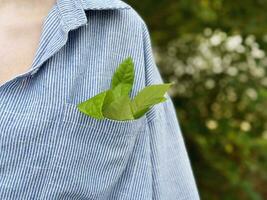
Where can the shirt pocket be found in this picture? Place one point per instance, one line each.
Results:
(92, 154)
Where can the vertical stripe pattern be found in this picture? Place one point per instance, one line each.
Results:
(51, 151)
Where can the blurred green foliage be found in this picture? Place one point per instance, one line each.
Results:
(215, 52)
(168, 19)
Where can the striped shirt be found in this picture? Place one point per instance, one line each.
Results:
(50, 150)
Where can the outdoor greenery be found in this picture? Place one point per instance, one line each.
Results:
(215, 52)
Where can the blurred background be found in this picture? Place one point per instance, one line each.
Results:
(215, 52)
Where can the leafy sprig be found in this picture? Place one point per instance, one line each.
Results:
(116, 104)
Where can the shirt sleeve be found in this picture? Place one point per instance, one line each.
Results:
(171, 169)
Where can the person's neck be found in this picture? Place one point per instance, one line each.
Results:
(27, 6)
(23, 13)
(27, 2)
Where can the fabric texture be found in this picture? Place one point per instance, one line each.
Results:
(49, 150)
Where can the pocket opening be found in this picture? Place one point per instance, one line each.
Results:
(74, 116)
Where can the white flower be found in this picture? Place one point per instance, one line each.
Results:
(264, 135)
(252, 93)
(257, 53)
(217, 69)
(233, 42)
(212, 124)
(207, 32)
(210, 83)
(250, 40)
(258, 72)
(216, 40)
(232, 71)
(245, 126)
(264, 82)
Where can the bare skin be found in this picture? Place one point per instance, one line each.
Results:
(21, 26)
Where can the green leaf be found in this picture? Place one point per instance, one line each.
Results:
(148, 97)
(122, 89)
(119, 109)
(140, 113)
(137, 113)
(93, 106)
(124, 75)
(108, 99)
(113, 94)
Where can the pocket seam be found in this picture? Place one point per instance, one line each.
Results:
(137, 125)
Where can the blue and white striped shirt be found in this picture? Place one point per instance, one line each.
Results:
(49, 150)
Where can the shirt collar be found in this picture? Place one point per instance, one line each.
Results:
(67, 15)
(72, 12)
